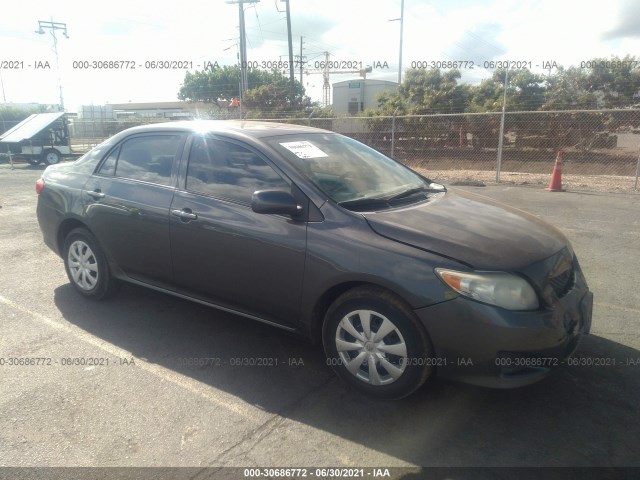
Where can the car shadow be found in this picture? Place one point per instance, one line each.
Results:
(579, 416)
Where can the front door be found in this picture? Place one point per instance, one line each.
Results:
(224, 252)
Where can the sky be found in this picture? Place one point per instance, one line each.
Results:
(354, 32)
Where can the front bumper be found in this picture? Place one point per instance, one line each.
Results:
(490, 346)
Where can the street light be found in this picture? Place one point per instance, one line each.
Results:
(53, 26)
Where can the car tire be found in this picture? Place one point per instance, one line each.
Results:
(51, 156)
(389, 358)
(86, 266)
(33, 161)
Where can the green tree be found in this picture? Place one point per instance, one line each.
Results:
(567, 89)
(211, 86)
(602, 83)
(433, 91)
(616, 79)
(424, 91)
(389, 102)
(269, 92)
(526, 92)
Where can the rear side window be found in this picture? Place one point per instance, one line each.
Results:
(109, 165)
(228, 170)
(87, 163)
(148, 158)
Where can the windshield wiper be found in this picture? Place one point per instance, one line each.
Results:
(412, 191)
(359, 203)
(373, 202)
(408, 193)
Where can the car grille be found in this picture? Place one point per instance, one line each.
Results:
(562, 283)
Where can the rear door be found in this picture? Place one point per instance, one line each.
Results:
(222, 251)
(127, 205)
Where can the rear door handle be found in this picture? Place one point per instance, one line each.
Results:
(185, 214)
(95, 194)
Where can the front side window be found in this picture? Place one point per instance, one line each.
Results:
(228, 170)
(148, 158)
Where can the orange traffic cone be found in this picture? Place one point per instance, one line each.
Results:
(556, 177)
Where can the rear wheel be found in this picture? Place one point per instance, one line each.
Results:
(373, 340)
(86, 265)
(51, 156)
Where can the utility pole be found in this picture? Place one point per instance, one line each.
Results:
(4, 97)
(401, 36)
(500, 141)
(53, 26)
(291, 78)
(326, 86)
(244, 77)
(301, 59)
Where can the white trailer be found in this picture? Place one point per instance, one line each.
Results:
(42, 137)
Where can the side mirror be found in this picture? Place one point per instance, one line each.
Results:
(275, 201)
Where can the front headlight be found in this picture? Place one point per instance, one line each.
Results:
(497, 288)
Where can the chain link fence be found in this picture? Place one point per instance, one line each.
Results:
(601, 147)
(85, 134)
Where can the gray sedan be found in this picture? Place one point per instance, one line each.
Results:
(316, 233)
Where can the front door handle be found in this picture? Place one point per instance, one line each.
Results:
(184, 214)
(95, 194)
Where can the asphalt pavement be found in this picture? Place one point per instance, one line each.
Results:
(117, 384)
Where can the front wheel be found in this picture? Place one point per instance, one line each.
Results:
(86, 265)
(373, 340)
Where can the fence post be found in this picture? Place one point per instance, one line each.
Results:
(393, 131)
(504, 105)
(10, 159)
(311, 115)
(635, 187)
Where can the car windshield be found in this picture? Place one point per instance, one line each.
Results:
(346, 170)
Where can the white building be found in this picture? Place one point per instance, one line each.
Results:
(35, 107)
(96, 112)
(175, 110)
(353, 96)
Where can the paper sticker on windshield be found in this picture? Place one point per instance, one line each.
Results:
(304, 149)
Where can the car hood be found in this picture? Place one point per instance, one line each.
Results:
(484, 234)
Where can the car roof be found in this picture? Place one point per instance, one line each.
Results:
(249, 128)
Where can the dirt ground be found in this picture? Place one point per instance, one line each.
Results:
(577, 176)
(570, 182)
